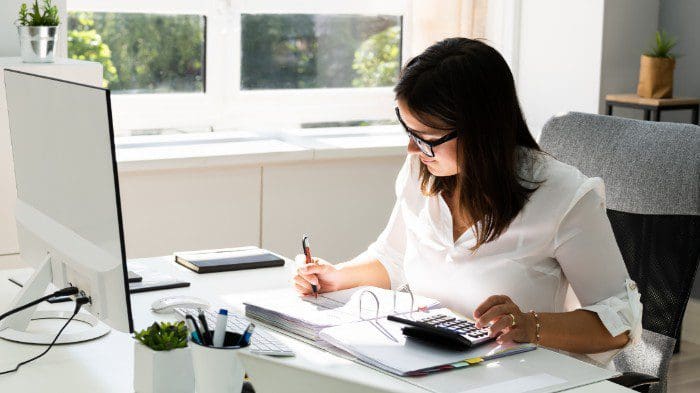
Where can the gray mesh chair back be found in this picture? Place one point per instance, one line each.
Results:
(651, 172)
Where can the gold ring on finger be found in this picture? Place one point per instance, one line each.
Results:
(513, 318)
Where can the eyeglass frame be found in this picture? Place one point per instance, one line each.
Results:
(426, 147)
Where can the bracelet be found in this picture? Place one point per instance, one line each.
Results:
(537, 326)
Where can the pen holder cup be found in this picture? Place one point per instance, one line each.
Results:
(218, 369)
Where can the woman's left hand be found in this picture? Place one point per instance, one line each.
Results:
(506, 319)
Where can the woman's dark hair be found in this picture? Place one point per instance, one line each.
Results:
(465, 85)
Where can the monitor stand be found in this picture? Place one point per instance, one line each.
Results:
(16, 327)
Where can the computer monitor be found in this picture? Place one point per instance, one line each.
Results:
(68, 212)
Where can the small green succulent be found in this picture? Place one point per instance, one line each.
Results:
(163, 336)
(662, 46)
(47, 15)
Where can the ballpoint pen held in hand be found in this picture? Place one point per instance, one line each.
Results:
(309, 260)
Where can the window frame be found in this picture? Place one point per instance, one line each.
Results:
(224, 105)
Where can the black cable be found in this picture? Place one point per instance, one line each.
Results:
(61, 292)
(78, 304)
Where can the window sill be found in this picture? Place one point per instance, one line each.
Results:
(167, 152)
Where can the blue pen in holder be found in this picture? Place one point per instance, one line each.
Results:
(218, 369)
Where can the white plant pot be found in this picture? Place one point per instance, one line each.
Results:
(162, 371)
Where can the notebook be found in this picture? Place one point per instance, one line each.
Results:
(381, 344)
(227, 259)
(151, 279)
(307, 316)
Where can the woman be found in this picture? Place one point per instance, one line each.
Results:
(488, 224)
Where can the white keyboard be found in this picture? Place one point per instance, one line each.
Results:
(262, 342)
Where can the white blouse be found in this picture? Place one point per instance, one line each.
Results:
(561, 237)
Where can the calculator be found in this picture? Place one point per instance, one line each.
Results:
(442, 328)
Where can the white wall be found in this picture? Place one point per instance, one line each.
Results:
(9, 44)
(559, 58)
(573, 52)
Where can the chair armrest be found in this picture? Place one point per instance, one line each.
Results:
(637, 381)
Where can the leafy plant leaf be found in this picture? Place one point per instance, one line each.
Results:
(163, 336)
(44, 15)
(662, 46)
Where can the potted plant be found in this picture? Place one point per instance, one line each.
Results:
(656, 68)
(37, 31)
(162, 360)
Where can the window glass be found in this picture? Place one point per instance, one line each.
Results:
(297, 51)
(141, 53)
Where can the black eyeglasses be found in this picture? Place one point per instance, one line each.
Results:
(426, 147)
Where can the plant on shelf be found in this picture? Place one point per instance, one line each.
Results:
(656, 68)
(662, 46)
(163, 336)
(45, 15)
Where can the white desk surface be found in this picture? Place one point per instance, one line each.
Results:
(106, 364)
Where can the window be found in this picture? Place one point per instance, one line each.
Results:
(189, 66)
(141, 53)
(300, 51)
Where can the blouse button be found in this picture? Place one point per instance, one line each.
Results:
(632, 286)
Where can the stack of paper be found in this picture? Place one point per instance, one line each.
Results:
(307, 316)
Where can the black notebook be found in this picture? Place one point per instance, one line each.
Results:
(212, 261)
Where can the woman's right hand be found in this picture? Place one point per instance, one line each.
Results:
(325, 276)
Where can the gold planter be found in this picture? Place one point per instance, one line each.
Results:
(655, 77)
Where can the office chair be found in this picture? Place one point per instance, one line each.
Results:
(652, 179)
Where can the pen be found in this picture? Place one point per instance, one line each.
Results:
(309, 260)
(206, 334)
(245, 337)
(192, 325)
(220, 328)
